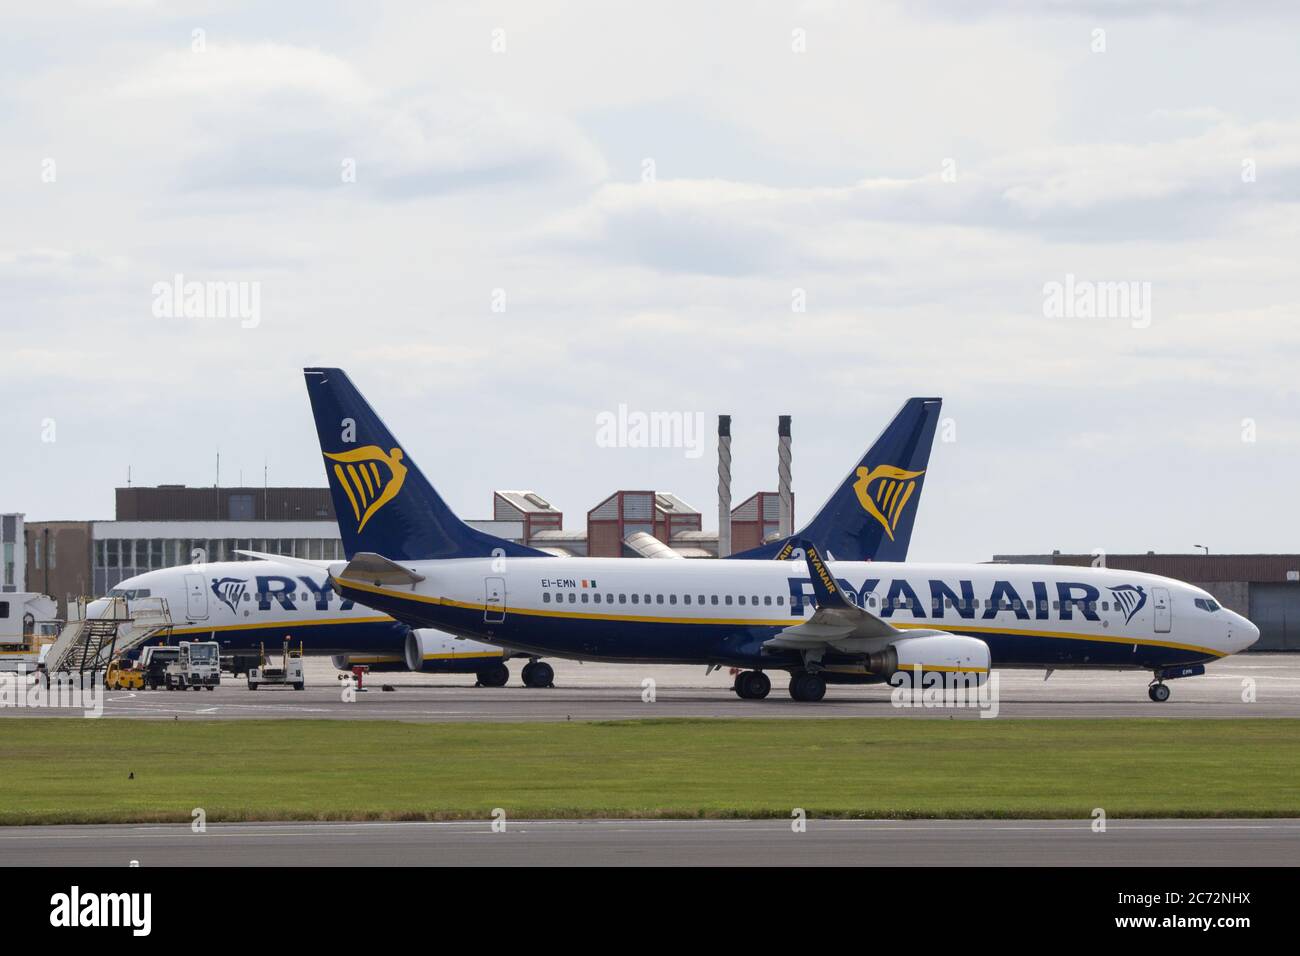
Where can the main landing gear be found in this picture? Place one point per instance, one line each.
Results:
(538, 674)
(806, 687)
(752, 685)
(1158, 692)
(493, 675)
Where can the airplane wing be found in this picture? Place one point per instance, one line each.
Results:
(837, 623)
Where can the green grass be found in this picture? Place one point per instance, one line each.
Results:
(76, 771)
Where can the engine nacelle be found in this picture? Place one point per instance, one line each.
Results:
(378, 663)
(434, 652)
(935, 654)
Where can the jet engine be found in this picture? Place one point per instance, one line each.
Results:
(937, 653)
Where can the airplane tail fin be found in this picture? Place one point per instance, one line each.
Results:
(383, 502)
(870, 515)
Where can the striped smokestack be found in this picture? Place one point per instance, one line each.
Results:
(786, 526)
(724, 485)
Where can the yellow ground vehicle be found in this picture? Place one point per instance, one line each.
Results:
(124, 676)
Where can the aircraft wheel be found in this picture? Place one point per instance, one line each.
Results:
(1158, 692)
(807, 688)
(538, 674)
(752, 685)
(494, 675)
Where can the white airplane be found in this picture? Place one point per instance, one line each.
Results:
(823, 621)
(247, 605)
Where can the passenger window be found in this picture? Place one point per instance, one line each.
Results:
(634, 598)
(767, 600)
(546, 597)
(622, 599)
(713, 599)
(780, 600)
(573, 598)
(727, 599)
(742, 599)
(659, 599)
(672, 599)
(686, 599)
(584, 597)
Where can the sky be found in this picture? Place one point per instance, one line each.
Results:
(507, 220)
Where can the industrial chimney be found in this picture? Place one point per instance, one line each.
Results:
(724, 485)
(786, 525)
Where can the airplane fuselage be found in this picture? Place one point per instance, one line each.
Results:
(248, 605)
(723, 612)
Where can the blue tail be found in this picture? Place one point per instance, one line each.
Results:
(870, 515)
(383, 502)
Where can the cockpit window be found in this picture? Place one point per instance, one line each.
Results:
(1207, 604)
(131, 594)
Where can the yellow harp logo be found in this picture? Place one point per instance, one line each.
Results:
(367, 487)
(884, 492)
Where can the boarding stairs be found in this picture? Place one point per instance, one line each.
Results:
(86, 645)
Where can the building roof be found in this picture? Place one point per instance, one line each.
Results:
(528, 502)
(179, 503)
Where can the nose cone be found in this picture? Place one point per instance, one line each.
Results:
(1241, 633)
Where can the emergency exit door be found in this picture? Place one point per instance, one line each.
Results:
(494, 600)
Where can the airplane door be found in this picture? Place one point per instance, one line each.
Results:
(494, 600)
(196, 597)
(1160, 605)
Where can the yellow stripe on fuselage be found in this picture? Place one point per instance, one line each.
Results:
(202, 629)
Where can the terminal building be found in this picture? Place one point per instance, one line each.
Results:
(1263, 587)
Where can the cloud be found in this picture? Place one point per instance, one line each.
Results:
(271, 116)
(1173, 190)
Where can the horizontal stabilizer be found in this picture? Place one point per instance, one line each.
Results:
(379, 571)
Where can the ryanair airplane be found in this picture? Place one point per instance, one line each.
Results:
(247, 605)
(244, 605)
(823, 620)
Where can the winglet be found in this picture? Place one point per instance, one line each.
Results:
(825, 589)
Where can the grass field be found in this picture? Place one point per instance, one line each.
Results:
(76, 771)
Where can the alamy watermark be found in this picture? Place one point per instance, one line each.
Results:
(915, 687)
(629, 428)
(71, 693)
(193, 299)
(1076, 298)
